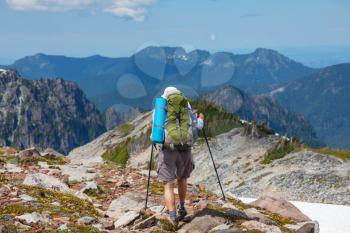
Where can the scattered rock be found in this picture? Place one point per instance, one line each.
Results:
(33, 218)
(220, 228)
(45, 181)
(98, 226)
(282, 207)
(253, 213)
(91, 170)
(304, 227)
(255, 225)
(90, 186)
(26, 197)
(29, 153)
(107, 224)
(77, 173)
(126, 219)
(43, 165)
(63, 227)
(56, 203)
(129, 201)
(231, 230)
(9, 167)
(51, 152)
(81, 195)
(157, 209)
(236, 214)
(145, 173)
(203, 221)
(87, 220)
(3, 229)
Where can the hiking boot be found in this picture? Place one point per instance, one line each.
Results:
(181, 212)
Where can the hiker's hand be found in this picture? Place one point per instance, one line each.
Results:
(201, 116)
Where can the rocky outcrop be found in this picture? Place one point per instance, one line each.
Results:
(115, 116)
(45, 113)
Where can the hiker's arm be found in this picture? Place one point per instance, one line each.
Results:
(200, 121)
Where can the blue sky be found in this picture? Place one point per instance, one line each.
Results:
(120, 27)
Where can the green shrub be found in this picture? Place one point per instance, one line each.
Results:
(281, 149)
(339, 153)
(3, 179)
(119, 154)
(125, 128)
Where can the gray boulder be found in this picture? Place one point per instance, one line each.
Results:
(131, 201)
(33, 218)
(29, 153)
(45, 181)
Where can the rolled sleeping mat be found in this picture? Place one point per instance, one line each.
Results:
(160, 114)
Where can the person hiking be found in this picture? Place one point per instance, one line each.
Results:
(175, 162)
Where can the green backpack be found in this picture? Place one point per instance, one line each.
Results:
(179, 122)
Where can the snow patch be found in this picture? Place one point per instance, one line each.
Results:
(278, 90)
(332, 218)
(207, 62)
(43, 65)
(2, 70)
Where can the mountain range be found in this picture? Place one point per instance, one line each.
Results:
(263, 109)
(107, 81)
(323, 98)
(134, 82)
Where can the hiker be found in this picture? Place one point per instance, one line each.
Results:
(175, 162)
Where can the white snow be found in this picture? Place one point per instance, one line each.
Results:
(280, 89)
(208, 62)
(2, 70)
(332, 218)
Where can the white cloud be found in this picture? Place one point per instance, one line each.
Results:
(130, 9)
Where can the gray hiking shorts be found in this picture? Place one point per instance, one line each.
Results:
(173, 164)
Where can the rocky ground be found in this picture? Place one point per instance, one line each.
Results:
(45, 192)
(301, 175)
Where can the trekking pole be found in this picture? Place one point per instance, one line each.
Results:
(149, 175)
(211, 156)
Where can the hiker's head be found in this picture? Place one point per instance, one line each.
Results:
(170, 90)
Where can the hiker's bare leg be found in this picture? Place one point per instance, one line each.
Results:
(182, 188)
(169, 196)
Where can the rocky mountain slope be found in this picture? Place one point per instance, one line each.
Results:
(153, 68)
(115, 116)
(49, 193)
(250, 162)
(45, 113)
(323, 98)
(264, 110)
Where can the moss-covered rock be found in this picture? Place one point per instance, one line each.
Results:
(69, 204)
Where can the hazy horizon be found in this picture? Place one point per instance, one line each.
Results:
(117, 28)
